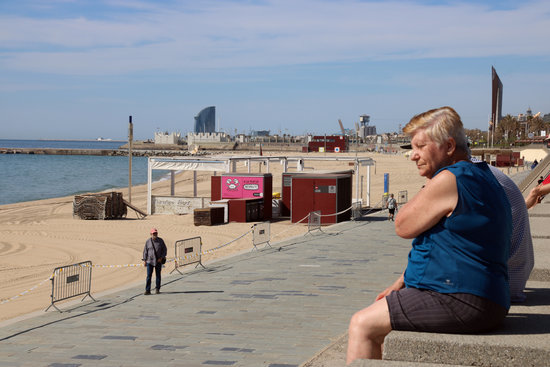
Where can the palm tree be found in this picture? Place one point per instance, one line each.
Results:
(536, 125)
(476, 136)
(507, 129)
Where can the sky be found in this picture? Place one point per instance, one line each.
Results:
(77, 69)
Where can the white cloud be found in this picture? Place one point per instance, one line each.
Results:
(273, 33)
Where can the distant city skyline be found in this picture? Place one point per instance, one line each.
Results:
(78, 69)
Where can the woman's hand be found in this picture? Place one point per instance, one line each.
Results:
(533, 198)
(536, 194)
(397, 285)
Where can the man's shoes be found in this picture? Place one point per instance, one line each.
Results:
(157, 291)
(147, 293)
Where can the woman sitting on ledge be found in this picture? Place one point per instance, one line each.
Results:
(456, 280)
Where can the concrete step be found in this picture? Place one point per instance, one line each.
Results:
(384, 363)
(541, 270)
(335, 356)
(524, 339)
(538, 221)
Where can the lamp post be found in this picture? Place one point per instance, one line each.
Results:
(130, 140)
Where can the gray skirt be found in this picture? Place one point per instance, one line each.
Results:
(413, 309)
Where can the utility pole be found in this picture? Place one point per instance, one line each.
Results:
(130, 140)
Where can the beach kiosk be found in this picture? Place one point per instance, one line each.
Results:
(245, 194)
(173, 204)
(328, 193)
(287, 186)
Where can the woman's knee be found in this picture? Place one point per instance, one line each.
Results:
(360, 320)
(362, 323)
(372, 323)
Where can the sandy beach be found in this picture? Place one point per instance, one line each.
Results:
(38, 236)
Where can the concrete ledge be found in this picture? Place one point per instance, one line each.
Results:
(524, 339)
(334, 355)
(542, 209)
(540, 275)
(539, 225)
(462, 352)
(383, 363)
(541, 271)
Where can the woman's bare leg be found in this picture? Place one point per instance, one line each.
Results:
(367, 330)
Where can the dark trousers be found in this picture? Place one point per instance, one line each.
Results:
(158, 269)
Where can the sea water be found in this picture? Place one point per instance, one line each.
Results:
(62, 144)
(25, 177)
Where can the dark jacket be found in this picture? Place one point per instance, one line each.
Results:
(149, 255)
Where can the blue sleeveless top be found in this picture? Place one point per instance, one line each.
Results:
(467, 252)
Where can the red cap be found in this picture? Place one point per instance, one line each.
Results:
(154, 230)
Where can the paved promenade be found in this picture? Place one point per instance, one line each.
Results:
(275, 307)
(285, 306)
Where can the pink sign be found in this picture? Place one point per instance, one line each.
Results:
(242, 187)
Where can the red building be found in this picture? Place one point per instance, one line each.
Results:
(331, 143)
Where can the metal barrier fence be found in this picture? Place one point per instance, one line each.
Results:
(384, 200)
(187, 251)
(402, 197)
(261, 233)
(356, 211)
(314, 221)
(71, 281)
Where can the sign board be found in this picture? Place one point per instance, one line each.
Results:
(176, 205)
(337, 149)
(242, 187)
(326, 189)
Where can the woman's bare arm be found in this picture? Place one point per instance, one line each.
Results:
(436, 200)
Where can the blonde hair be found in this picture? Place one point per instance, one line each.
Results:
(439, 124)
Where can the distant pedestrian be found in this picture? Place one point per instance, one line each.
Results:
(154, 256)
(392, 206)
(534, 164)
(541, 180)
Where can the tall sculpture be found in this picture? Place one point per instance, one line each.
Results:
(496, 105)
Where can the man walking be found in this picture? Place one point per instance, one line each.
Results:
(391, 205)
(154, 256)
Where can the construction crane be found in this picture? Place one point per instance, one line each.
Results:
(342, 127)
